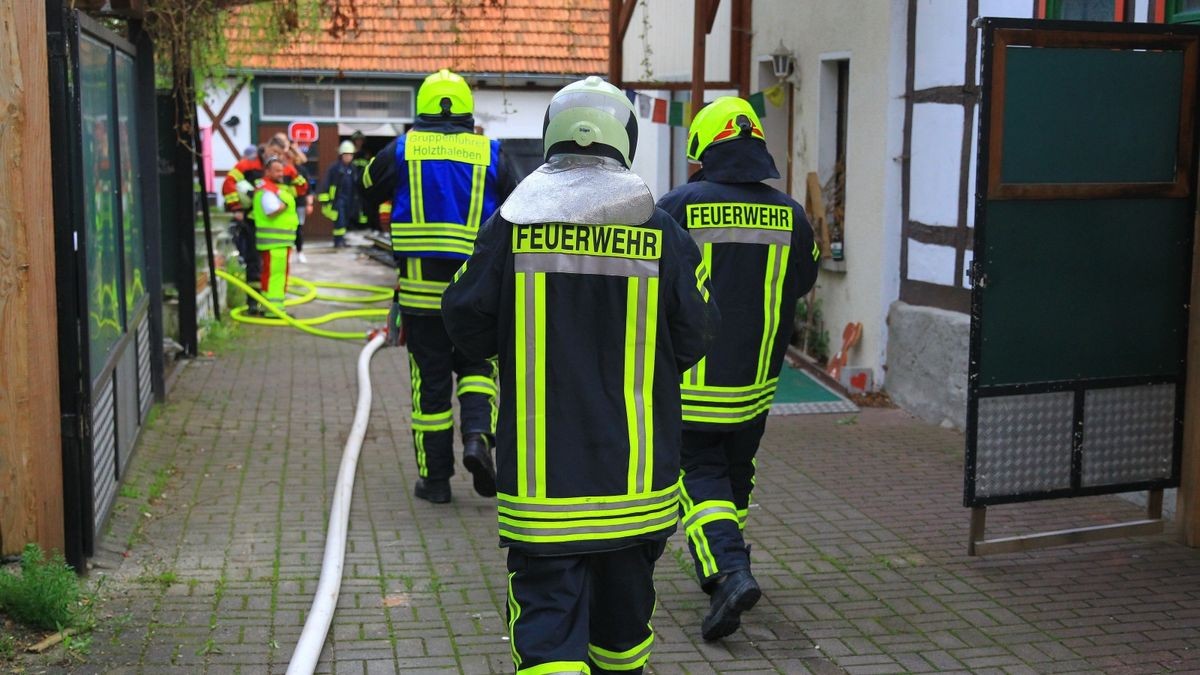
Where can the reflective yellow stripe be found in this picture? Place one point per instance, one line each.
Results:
(461, 270)
(523, 386)
(630, 659)
(700, 547)
(233, 198)
(418, 436)
(816, 252)
(701, 277)
(478, 183)
(723, 415)
(540, 531)
(706, 512)
(720, 394)
(236, 174)
(433, 421)
(539, 365)
(571, 508)
(422, 286)
(415, 196)
(367, 181)
(419, 301)
(476, 384)
(777, 257)
(634, 368)
(556, 668)
(514, 612)
(695, 375)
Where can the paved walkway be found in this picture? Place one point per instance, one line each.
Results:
(858, 537)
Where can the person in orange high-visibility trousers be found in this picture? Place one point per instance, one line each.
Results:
(276, 224)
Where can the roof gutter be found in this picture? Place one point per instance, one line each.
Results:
(486, 80)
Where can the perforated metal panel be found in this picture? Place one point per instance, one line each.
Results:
(1027, 444)
(104, 453)
(1128, 434)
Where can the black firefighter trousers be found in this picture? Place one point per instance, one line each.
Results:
(582, 613)
(718, 477)
(434, 362)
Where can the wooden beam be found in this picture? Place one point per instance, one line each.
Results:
(616, 43)
(625, 16)
(710, 16)
(620, 13)
(31, 496)
(700, 28)
(1188, 498)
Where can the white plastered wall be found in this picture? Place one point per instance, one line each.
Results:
(511, 113)
(215, 96)
(872, 36)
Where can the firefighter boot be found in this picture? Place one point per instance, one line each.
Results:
(737, 592)
(433, 491)
(477, 457)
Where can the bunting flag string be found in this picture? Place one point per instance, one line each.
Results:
(679, 113)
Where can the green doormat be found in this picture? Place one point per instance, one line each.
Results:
(800, 393)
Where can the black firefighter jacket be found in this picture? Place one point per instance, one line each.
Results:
(758, 245)
(593, 325)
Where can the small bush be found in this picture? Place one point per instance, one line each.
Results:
(46, 593)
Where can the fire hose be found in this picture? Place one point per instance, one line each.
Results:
(320, 615)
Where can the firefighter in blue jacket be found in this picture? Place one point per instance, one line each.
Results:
(595, 302)
(444, 180)
(759, 248)
(337, 194)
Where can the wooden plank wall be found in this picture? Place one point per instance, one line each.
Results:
(31, 505)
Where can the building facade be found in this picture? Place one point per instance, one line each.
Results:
(888, 93)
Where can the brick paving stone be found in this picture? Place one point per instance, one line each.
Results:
(858, 537)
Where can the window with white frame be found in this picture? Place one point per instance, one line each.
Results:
(286, 102)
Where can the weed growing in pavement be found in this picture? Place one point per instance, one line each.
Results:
(164, 578)
(45, 594)
(130, 491)
(219, 336)
(77, 645)
(159, 485)
(682, 561)
(8, 647)
(209, 647)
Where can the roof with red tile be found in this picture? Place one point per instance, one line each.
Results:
(560, 37)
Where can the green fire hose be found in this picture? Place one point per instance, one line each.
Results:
(311, 292)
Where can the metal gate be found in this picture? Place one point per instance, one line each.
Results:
(1086, 202)
(106, 349)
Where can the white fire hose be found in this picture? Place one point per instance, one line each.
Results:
(316, 626)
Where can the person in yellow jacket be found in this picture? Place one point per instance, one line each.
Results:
(276, 220)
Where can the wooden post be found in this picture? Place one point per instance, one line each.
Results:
(699, 38)
(1188, 501)
(31, 505)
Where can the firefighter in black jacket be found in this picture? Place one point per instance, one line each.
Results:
(759, 247)
(595, 302)
(444, 180)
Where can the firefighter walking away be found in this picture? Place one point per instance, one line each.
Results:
(595, 302)
(758, 245)
(443, 181)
